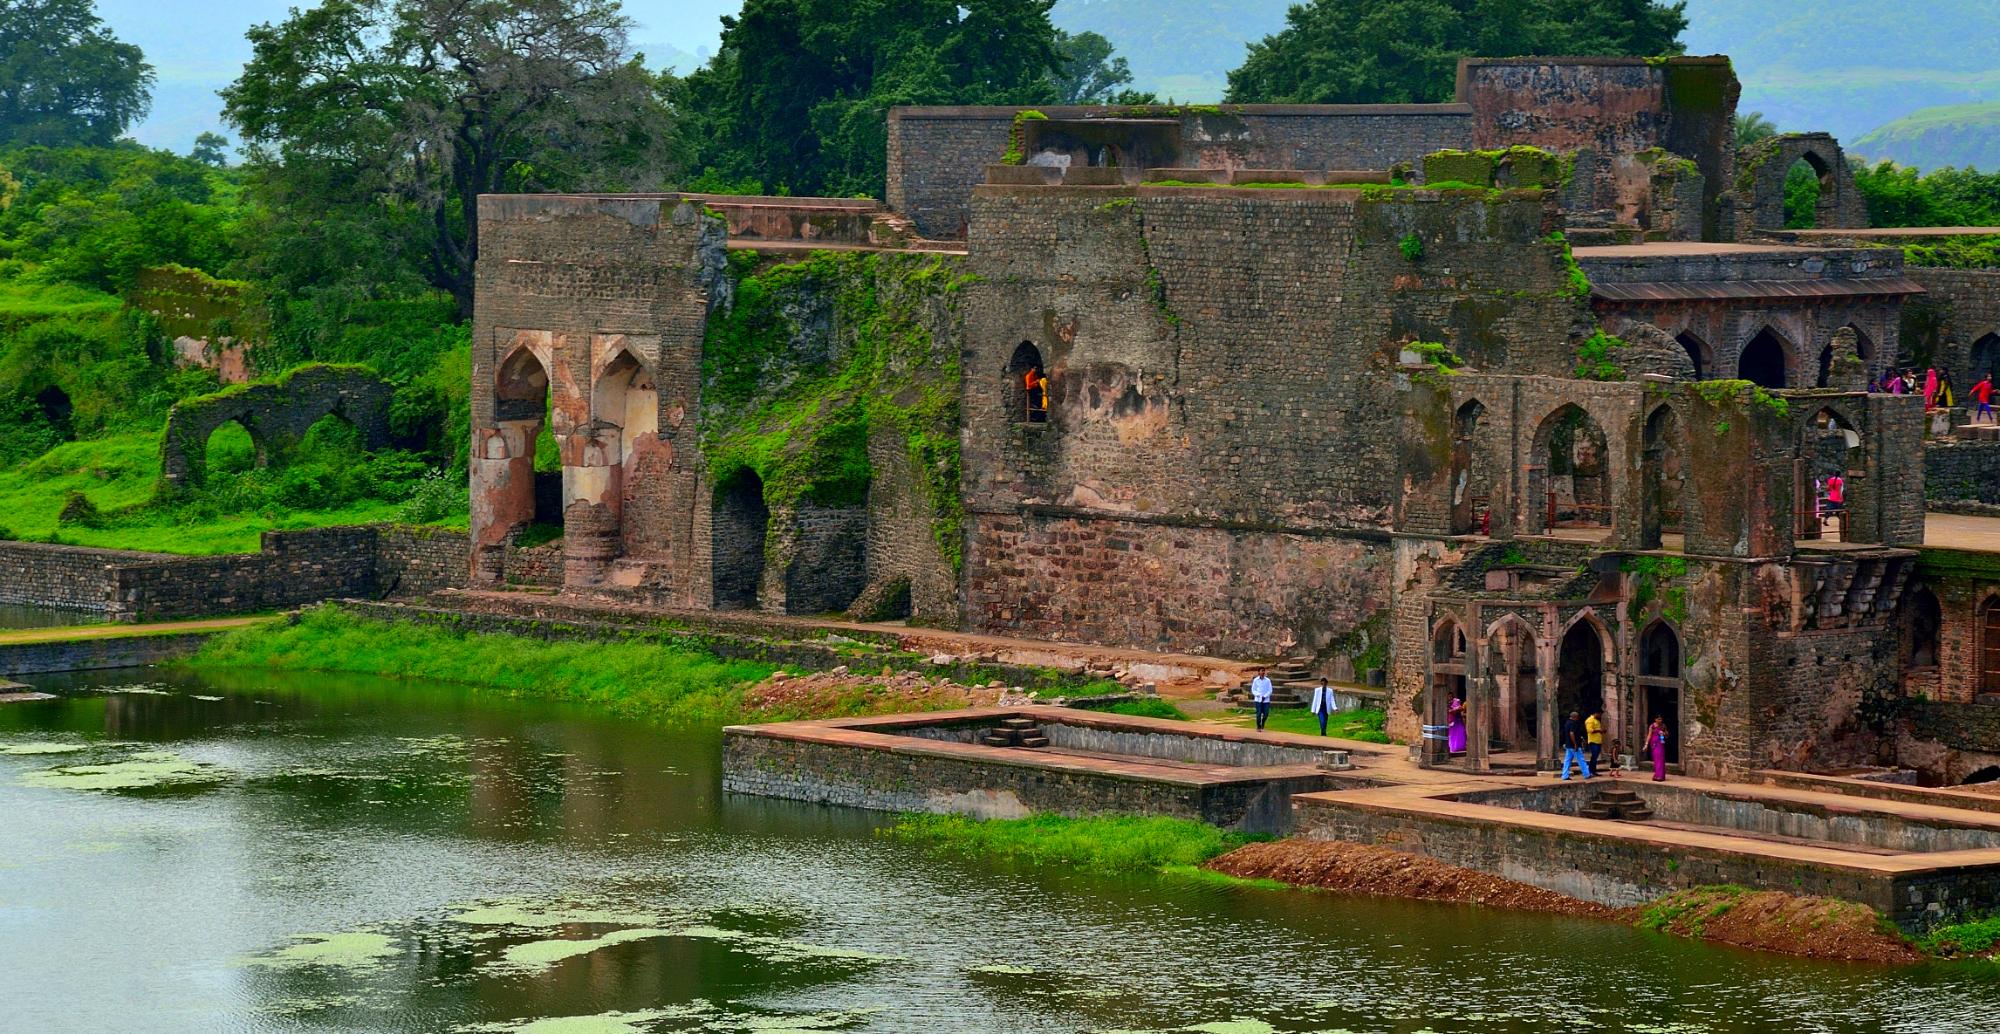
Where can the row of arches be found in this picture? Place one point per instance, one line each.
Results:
(1766, 359)
(1518, 709)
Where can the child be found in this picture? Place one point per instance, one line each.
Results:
(1617, 756)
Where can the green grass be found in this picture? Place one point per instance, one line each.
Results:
(1145, 707)
(1973, 937)
(1110, 845)
(28, 302)
(1365, 725)
(636, 678)
(1687, 911)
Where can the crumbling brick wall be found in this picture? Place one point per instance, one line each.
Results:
(277, 414)
(1958, 315)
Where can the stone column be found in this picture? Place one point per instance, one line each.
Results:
(503, 493)
(1546, 719)
(592, 464)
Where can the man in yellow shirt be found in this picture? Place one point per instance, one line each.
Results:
(1593, 734)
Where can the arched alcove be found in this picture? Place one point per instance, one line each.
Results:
(230, 449)
(1919, 624)
(1580, 669)
(1831, 463)
(1666, 478)
(626, 396)
(1471, 481)
(738, 529)
(1763, 360)
(1807, 179)
(1513, 668)
(1984, 359)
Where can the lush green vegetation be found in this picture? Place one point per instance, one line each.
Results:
(1954, 135)
(1407, 51)
(1366, 725)
(1111, 845)
(1145, 707)
(1971, 937)
(1898, 196)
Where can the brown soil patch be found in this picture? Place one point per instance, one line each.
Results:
(840, 693)
(1366, 869)
(1769, 920)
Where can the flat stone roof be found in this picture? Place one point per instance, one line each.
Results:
(1667, 249)
(1892, 232)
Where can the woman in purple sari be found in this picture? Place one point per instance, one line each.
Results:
(1455, 741)
(1656, 744)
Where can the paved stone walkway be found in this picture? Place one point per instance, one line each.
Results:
(122, 631)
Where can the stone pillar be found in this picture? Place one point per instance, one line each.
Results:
(503, 493)
(592, 465)
(1546, 719)
(1480, 690)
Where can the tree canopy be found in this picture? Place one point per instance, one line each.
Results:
(797, 97)
(371, 125)
(1407, 51)
(64, 79)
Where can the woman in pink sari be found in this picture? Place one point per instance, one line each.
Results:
(1930, 388)
(1656, 744)
(1455, 732)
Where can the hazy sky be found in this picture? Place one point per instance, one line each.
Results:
(197, 47)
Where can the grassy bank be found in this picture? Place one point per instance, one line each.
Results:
(1108, 845)
(1365, 726)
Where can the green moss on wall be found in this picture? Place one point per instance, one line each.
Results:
(816, 356)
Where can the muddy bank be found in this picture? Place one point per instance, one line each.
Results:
(1366, 869)
(1820, 928)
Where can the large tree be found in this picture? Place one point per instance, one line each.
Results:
(1407, 51)
(796, 98)
(64, 79)
(372, 125)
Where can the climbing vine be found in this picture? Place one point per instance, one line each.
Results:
(1657, 577)
(815, 357)
(1593, 358)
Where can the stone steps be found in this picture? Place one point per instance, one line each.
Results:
(1616, 805)
(1016, 732)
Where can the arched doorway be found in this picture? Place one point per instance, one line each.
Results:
(1830, 469)
(1027, 388)
(1471, 483)
(1919, 623)
(1570, 476)
(1762, 361)
(1983, 360)
(231, 449)
(625, 396)
(1580, 670)
(1449, 681)
(1806, 182)
(737, 532)
(1514, 701)
(1666, 479)
(1660, 686)
(1698, 353)
(521, 415)
(1825, 366)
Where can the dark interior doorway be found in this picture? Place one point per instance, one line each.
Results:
(741, 521)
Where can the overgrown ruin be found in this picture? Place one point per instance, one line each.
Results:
(1526, 399)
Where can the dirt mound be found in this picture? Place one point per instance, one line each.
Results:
(1365, 869)
(1769, 920)
(841, 693)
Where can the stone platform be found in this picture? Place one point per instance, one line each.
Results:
(1093, 764)
(1915, 859)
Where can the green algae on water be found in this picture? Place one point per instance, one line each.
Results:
(1002, 969)
(354, 950)
(151, 770)
(43, 748)
(543, 954)
(528, 914)
(601, 1023)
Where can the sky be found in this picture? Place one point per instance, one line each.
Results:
(197, 47)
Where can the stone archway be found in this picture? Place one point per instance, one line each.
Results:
(278, 414)
(1765, 165)
(1765, 360)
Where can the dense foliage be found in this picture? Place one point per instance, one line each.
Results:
(65, 79)
(372, 124)
(1407, 51)
(1901, 196)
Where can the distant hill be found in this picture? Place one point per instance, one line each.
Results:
(1183, 49)
(1957, 134)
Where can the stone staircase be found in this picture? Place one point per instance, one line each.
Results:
(1981, 432)
(1616, 805)
(1016, 732)
(1292, 685)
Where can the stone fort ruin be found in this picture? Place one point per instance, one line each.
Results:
(1528, 399)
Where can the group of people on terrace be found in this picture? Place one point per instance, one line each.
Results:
(1938, 392)
(1582, 740)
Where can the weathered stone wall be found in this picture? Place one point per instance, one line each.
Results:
(41, 574)
(1962, 471)
(1760, 185)
(417, 561)
(937, 155)
(566, 287)
(97, 652)
(904, 533)
(1180, 423)
(1958, 316)
(825, 564)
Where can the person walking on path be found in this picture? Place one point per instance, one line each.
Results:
(1982, 393)
(1322, 704)
(1260, 698)
(1572, 744)
(1617, 757)
(1656, 745)
(1947, 395)
(1455, 729)
(1593, 737)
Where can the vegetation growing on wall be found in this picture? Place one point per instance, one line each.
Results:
(1594, 358)
(1657, 578)
(817, 355)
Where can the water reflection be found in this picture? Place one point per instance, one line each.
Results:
(432, 844)
(17, 615)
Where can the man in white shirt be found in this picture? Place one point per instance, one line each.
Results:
(1260, 697)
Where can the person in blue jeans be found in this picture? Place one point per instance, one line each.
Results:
(1572, 744)
(1322, 704)
(1260, 697)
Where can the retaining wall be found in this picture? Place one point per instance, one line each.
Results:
(101, 652)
